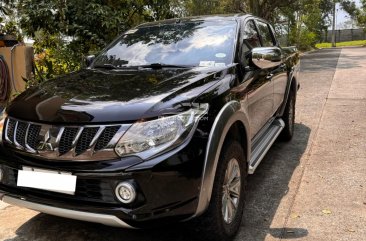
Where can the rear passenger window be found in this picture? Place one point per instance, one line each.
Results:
(266, 34)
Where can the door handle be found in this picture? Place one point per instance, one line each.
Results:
(269, 77)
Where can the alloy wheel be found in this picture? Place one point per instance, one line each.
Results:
(231, 191)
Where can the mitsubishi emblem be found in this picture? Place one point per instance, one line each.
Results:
(45, 145)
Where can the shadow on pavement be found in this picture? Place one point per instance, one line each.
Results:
(266, 188)
(269, 185)
(45, 227)
(288, 233)
(324, 60)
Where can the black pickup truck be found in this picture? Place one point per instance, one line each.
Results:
(164, 125)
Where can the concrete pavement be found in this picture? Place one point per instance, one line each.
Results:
(312, 188)
(315, 186)
(331, 199)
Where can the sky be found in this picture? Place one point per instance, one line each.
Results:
(343, 17)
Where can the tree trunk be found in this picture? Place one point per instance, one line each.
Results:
(254, 7)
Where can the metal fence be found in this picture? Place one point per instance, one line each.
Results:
(344, 35)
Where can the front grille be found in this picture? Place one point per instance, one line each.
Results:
(67, 139)
(105, 137)
(64, 142)
(20, 133)
(32, 138)
(86, 138)
(10, 129)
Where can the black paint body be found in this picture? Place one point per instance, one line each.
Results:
(169, 185)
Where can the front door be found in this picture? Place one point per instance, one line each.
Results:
(256, 82)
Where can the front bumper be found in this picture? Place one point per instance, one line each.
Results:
(168, 188)
(109, 220)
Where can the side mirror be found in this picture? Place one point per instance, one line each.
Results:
(268, 57)
(89, 60)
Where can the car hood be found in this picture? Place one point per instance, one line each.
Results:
(113, 95)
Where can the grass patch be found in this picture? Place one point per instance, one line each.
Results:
(342, 44)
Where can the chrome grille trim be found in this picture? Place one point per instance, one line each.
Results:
(96, 137)
(17, 145)
(100, 143)
(78, 134)
(49, 139)
(7, 133)
(85, 139)
(27, 147)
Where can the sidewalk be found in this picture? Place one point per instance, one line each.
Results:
(330, 202)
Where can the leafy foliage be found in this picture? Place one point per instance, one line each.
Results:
(54, 56)
(361, 15)
(66, 30)
(5, 9)
(8, 24)
(350, 7)
(302, 19)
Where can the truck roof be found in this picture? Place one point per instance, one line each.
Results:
(216, 17)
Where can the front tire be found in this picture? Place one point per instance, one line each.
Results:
(222, 220)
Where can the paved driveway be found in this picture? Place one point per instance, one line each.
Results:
(313, 188)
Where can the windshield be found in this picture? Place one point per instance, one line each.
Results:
(193, 43)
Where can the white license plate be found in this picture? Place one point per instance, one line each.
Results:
(61, 182)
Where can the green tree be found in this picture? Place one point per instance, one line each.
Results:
(306, 21)
(5, 9)
(91, 23)
(66, 30)
(350, 7)
(8, 24)
(361, 15)
(71, 29)
(198, 7)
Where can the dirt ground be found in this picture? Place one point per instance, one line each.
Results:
(312, 188)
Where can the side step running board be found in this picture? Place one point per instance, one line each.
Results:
(264, 142)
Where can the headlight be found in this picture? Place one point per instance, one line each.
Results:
(2, 120)
(145, 139)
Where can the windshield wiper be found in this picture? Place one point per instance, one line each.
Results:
(160, 66)
(152, 66)
(105, 66)
(112, 66)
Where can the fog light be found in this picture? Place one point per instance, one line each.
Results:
(125, 192)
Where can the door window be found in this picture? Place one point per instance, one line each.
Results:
(251, 36)
(266, 35)
(250, 40)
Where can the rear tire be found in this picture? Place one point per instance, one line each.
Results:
(222, 220)
(289, 118)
